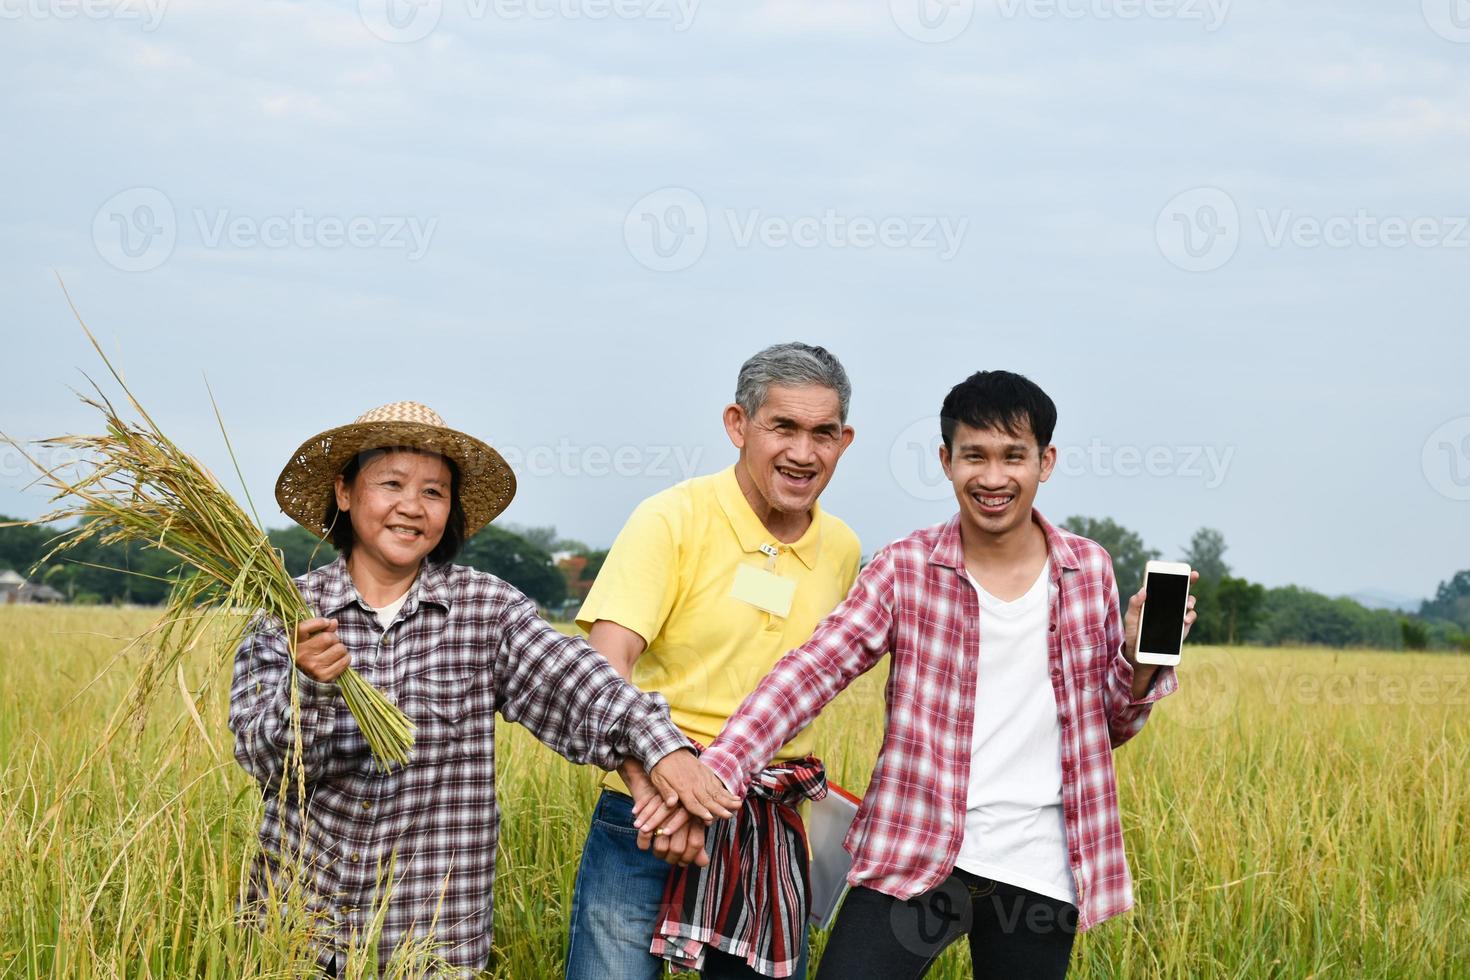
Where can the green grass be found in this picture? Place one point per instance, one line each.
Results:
(1290, 813)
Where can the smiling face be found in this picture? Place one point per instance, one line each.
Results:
(399, 503)
(790, 447)
(995, 475)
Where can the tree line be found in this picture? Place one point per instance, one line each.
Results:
(128, 573)
(1234, 610)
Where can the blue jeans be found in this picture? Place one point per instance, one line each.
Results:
(617, 902)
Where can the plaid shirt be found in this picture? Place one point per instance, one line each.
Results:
(463, 646)
(915, 600)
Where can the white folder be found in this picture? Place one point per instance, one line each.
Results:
(828, 822)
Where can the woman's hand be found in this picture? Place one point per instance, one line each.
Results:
(319, 654)
(682, 780)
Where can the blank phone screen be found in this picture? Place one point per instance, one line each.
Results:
(1163, 613)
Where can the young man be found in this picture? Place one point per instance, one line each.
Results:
(707, 585)
(993, 807)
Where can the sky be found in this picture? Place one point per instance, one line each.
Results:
(1230, 239)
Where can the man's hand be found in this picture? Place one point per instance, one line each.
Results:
(675, 838)
(1143, 674)
(319, 654)
(682, 780)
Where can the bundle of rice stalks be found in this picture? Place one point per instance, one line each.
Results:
(136, 485)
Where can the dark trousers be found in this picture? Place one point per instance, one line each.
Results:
(1014, 933)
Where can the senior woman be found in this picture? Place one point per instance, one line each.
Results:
(410, 853)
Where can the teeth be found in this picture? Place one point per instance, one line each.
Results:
(995, 501)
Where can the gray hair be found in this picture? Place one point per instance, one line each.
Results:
(791, 365)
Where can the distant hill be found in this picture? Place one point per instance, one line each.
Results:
(1379, 599)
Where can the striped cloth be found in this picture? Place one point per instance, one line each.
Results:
(752, 900)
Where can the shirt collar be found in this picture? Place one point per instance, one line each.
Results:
(337, 591)
(749, 530)
(950, 552)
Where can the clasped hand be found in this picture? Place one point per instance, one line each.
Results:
(674, 804)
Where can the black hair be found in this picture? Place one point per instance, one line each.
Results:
(340, 531)
(998, 400)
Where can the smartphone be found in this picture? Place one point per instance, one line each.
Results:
(1161, 623)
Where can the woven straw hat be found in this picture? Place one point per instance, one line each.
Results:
(306, 485)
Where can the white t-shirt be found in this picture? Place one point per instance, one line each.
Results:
(386, 614)
(1014, 830)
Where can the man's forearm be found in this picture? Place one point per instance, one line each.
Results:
(1143, 676)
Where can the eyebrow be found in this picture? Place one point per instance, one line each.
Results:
(971, 447)
(819, 427)
(401, 472)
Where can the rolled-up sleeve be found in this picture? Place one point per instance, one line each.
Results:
(261, 710)
(571, 698)
(1127, 714)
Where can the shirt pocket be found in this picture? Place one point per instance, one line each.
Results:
(444, 692)
(1090, 657)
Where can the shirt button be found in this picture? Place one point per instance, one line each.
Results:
(366, 805)
(1053, 627)
(1056, 673)
(1076, 857)
(354, 858)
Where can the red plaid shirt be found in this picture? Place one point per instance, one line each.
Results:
(915, 600)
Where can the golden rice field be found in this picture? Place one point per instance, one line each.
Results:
(1289, 813)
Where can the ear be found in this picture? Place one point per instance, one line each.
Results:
(944, 461)
(344, 498)
(735, 422)
(848, 434)
(1048, 462)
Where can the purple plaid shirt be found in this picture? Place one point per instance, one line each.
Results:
(464, 646)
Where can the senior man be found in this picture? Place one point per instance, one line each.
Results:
(707, 585)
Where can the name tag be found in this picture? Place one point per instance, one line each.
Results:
(764, 590)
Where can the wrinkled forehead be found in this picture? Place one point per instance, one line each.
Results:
(809, 405)
(407, 463)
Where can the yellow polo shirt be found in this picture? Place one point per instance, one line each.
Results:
(669, 576)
